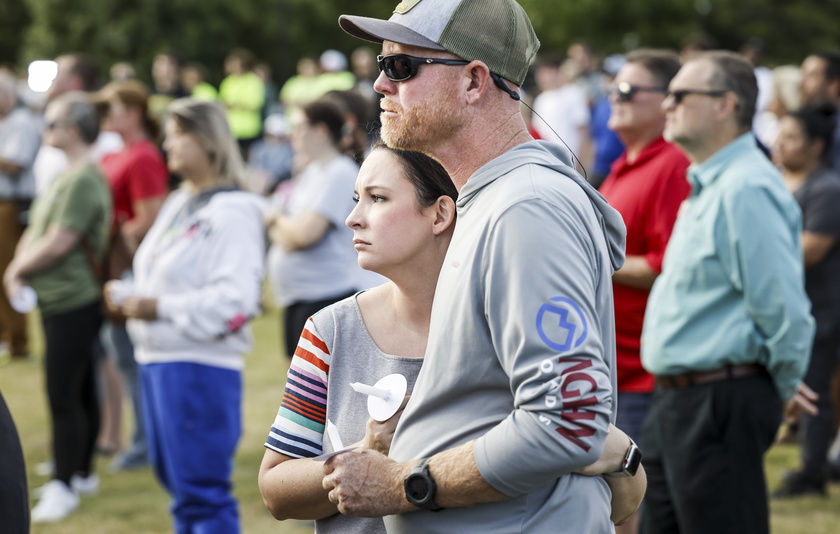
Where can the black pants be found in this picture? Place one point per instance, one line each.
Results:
(14, 497)
(704, 457)
(71, 387)
(818, 430)
(295, 317)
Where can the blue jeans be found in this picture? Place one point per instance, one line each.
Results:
(116, 341)
(632, 412)
(193, 422)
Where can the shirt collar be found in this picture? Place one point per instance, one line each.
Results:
(704, 174)
(648, 152)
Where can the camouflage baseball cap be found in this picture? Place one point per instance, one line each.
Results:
(497, 32)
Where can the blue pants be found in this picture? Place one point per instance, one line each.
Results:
(193, 422)
(116, 341)
(631, 414)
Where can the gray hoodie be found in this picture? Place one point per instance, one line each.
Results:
(522, 348)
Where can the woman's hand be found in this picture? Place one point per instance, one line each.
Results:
(378, 435)
(108, 293)
(140, 308)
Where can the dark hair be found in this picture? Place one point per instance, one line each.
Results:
(428, 177)
(245, 57)
(818, 122)
(734, 73)
(549, 61)
(352, 102)
(330, 115)
(86, 69)
(663, 65)
(832, 63)
(134, 95)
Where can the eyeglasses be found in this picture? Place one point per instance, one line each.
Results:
(400, 67)
(624, 91)
(52, 125)
(679, 94)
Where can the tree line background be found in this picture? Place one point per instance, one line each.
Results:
(281, 31)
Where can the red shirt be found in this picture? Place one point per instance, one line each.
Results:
(136, 173)
(648, 193)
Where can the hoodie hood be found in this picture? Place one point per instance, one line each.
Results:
(558, 159)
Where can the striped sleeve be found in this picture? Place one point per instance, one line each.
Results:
(298, 429)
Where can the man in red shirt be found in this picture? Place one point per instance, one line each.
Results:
(646, 185)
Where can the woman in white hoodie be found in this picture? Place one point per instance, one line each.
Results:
(198, 275)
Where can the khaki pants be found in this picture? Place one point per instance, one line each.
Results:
(12, 323)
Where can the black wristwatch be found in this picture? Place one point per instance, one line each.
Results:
(630, 464)
(420, 487)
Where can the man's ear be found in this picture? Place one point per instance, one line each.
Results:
(444, 214)
(479, 81)
(729, 103)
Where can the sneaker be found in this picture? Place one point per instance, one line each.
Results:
(796, 484)
(45, 469)
(88, 485)
(57, 502)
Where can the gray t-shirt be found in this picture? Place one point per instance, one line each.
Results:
(20, 137)
(328, 268)
(521, 352)
(335, 350)
(819, 198)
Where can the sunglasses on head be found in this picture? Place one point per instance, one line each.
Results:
(679, 94)
(624, 91)
(400, 67)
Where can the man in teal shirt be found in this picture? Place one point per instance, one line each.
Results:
(728, 329)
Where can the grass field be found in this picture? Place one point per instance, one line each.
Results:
(133, 502)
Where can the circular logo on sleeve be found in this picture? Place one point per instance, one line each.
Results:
(561, 324)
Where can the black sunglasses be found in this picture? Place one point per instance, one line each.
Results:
(400, 67)
(679, 94)
(624, 91)
(56, 123)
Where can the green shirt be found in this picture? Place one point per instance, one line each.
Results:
(205, 91)
(732, 284)
(78, 200)
(243, 95)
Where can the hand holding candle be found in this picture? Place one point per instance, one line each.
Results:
(385, 397)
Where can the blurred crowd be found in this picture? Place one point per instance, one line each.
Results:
(97, 171)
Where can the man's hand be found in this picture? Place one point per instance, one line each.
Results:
(615, 447)
(12, 281)
(366, 484)
(802, 401)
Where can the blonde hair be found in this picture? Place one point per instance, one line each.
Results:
(206, 122)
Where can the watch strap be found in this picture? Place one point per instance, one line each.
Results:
(630, 463)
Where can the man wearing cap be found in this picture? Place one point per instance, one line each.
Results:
(516, 391)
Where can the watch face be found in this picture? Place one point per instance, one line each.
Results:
(417, 488)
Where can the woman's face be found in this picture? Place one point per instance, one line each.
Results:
(307, 138)
(120, 119)
(792, 149)
(185, 155)
(389, 228)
